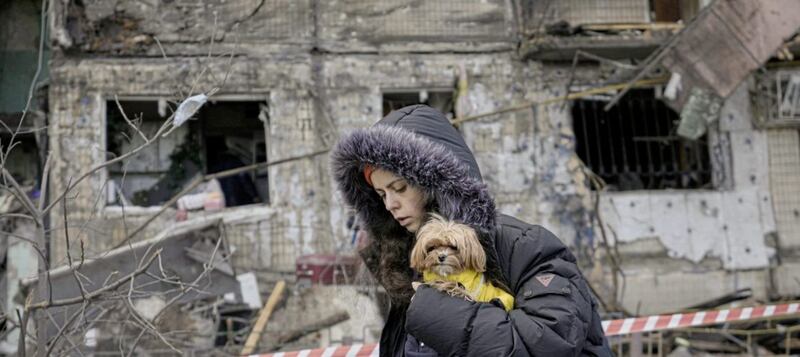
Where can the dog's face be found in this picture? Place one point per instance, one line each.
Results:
(447, 248)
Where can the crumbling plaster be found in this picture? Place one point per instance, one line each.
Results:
(130, 28)
(77, 133)
(726, 224)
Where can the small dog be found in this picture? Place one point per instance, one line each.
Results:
(452, 261)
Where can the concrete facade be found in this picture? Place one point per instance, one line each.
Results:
(323, 66)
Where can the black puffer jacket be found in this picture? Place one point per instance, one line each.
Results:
(554, 313)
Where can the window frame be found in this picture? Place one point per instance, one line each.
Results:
(230, 97)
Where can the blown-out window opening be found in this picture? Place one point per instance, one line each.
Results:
(540, 15)
(443, 100)
(777, 98)
(634, 146)
(222, 135)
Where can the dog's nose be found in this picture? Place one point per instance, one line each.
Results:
(442, 257)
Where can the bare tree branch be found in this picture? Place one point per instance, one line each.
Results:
(197, 181)
(94, 169)
(20, 194)
(64, 328)
(130, 123)
(98, 292)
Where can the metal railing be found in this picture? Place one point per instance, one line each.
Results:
(635, 146)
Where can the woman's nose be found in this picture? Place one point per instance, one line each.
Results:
(391, 202)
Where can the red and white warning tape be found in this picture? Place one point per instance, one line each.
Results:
(692, 319)
(611, 327)
(357, 350)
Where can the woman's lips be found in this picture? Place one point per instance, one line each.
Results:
(403, 220)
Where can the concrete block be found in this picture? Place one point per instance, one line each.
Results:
(736, 112)
(655, 293)
(744, 247)
(704, 211)
(787, 279)
(750, 160)
(692, 225)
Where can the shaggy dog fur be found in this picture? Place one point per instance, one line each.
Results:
(446, 248)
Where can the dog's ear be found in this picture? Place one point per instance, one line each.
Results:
(471, 251)
(419, 252)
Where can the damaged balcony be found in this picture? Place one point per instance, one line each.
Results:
(555, 30)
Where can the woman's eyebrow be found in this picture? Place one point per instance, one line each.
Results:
(391, 184)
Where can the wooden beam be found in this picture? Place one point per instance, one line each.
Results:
(263, 316)
(297, 333)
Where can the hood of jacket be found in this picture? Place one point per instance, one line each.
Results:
(419, 144)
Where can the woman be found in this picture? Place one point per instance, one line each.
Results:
(413, 162)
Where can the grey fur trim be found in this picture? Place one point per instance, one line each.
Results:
(424, 163)
(458, 196)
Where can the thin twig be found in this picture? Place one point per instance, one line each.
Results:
(95, 293)
(52, 344)
(130, 123)
(69, 254)
(73, 345)
(108, 163)
(147, 326)
(17, 215)
(39, 62)
(197, 181)
(23, 197)
(45, 181)
(655, 57)
(207, 269)
(25, 239)
(23, 330)
(135, 342)
(577, 95)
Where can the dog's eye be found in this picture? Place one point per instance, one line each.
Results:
(430, 249)
(452, 247)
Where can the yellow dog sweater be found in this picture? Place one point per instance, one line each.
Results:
(475, 285)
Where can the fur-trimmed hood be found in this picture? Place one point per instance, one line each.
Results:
(419, 144)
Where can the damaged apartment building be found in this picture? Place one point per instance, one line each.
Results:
(670, 197)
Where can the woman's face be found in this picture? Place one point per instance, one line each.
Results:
(405, 202)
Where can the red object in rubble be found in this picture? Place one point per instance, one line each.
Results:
(325, 269)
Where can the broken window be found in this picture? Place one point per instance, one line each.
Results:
(440, 99)
(674, 11)
(778, 98)
(634, 146)
(23, 160)
(559, 14)
(222, 135)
